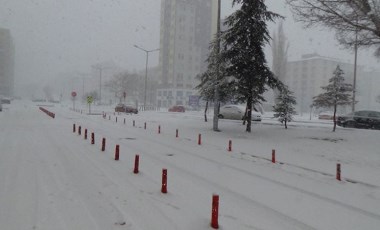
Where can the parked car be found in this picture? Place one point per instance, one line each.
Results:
(360, 119)
(327, 115)
(177, 108)
(236, 112)
(5, 100)
(126, 109)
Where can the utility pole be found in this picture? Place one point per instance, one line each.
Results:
(100, 68)
(216, 96)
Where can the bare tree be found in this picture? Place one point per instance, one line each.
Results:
(123, 82)
(346, 17)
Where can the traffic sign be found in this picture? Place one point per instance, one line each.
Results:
(73, 94)
(90, 99)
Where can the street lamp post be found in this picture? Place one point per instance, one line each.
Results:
(146, 70)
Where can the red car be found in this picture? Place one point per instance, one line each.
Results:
(177, 108)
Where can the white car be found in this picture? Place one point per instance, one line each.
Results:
(236, 112)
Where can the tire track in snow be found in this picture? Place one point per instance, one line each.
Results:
(312, 194)
(288, 219)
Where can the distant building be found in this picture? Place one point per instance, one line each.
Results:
(306, 76)
(367, 90)
(186, 32)
(6, 63)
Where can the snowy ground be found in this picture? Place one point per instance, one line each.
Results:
(52, 178)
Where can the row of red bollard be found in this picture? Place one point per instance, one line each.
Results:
(229, 148)
(215, 199)
(50, 114)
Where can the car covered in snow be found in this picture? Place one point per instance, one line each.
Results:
(237, 112)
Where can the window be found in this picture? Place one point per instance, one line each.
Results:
(179, 93)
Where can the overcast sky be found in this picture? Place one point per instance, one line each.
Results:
(54, 37)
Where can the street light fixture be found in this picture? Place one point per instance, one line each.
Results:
(146, 69)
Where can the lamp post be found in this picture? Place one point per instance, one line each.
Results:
(146, 70)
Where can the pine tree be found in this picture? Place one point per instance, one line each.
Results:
(337, 93)
(243, 51)
(284, 108)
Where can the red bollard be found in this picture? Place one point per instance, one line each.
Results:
(338, 172)
(124, 121)
(103, 144)
(136, 169)
(79, 130)
(117, 153)
(229, 146)
(176, 133)
(85, 134)
(92, 138)
(116, 119)
(134, 123)
(273, 156)
(159, 129)
(199, 139)
(74, 128)
(164, 181)
(144, 125)
(215, 211)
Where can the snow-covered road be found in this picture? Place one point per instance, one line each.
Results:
(52, 178)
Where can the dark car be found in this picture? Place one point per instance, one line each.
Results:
(177, 108)
(366, 119)
(126, 109)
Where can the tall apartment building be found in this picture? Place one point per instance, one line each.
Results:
(6, 63)
(306, 76)
(186, 32)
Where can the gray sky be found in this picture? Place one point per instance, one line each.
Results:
(67, 36)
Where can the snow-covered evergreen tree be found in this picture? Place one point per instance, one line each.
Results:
(337, 92)
(243, 51)
(284, 108)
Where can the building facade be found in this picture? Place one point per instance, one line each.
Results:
(6, 63)
(306, 76)
(186, 32)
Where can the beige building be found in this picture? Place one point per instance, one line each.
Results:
(306, 76)
(6, 63)
(186, 32)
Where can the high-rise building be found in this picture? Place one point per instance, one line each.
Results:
(186, 32)
(6, 63)
(306, 76)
